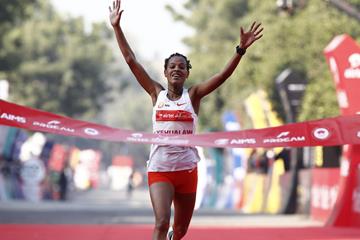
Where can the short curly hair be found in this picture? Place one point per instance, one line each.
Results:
(188, 65)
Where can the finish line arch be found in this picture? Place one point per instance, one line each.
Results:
(343, 58)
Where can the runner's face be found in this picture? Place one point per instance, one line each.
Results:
(176, 71)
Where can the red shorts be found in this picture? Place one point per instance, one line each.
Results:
(184, 181)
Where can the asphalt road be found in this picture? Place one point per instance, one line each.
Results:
(115, 207)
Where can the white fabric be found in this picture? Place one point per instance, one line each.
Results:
(173, 117)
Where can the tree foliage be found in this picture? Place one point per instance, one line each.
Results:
(12, 12)
(293, 41)
(55, 65)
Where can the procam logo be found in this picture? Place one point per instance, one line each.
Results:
(284, 137)
(54, 124)
(283, 134)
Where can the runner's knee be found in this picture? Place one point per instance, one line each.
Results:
(180, 231)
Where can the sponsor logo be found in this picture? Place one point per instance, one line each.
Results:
(323, 196)
(221, 141)
(180, 104)
(162, 104)
(354, 70)
(173, 115)
(243, 141)
(91, 131)
(13, 118)
(159, 140)
(321, 133)
(283, 134)
(284, 137)
(138, 139)
(233, 141)
(137, 135)
(54, 124)
(168, 140)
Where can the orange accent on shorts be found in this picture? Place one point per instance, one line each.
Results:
(184, 181)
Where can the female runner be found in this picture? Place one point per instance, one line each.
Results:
(172, 170)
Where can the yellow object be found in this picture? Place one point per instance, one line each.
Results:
(273, 203)
(253, 193)
(319, 159)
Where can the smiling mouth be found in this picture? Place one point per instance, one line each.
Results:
(176, 76)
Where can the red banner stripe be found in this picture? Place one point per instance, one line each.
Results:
(324, 132)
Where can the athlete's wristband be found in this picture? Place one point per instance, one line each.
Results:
(241, 51)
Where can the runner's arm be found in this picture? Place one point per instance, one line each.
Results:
(247, 38)
(151, 87)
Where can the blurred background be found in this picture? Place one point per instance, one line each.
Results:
(61, 57)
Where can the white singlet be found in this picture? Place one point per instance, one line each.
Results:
(173, 117)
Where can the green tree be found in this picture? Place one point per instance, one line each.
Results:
(12, 13)
(293, 41)
(60, 67)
